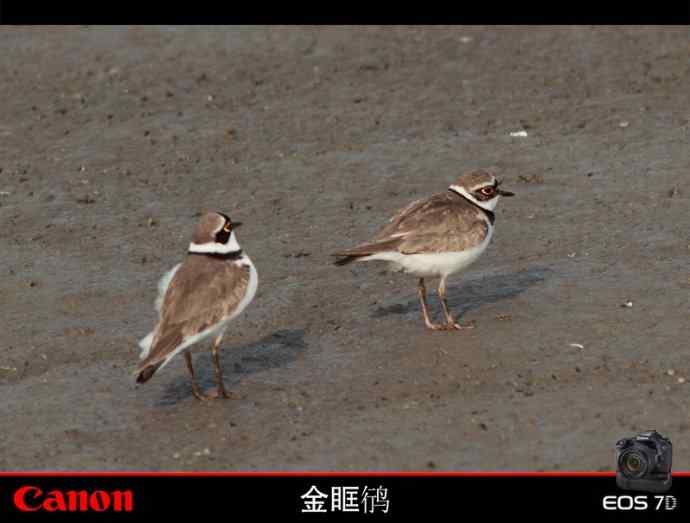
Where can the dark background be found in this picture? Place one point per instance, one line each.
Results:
(408, 497)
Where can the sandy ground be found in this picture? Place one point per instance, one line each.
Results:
(112, 141)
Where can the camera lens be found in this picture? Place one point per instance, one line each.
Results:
(633, 464)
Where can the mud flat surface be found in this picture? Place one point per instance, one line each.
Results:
(113, 140)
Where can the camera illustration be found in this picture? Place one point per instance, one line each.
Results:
(643, 462)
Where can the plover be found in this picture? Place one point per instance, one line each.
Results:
(437, 236)
(198, 298)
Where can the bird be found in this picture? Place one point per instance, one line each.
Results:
(437, 236)
(198, 298)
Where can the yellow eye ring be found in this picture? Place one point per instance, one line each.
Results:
(488, 190)
(227, 227)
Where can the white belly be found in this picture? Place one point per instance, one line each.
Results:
(433, 264)
(251, 286)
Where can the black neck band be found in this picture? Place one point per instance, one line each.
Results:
(233, 255)
(489, 214)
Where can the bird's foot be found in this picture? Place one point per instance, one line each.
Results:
(439, 326)
(460, 327)
(201, 396)
(452, 325)
(206, 396)
(221, 393)
(212, 395)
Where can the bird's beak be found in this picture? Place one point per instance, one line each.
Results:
(235, 225)
(501, 192)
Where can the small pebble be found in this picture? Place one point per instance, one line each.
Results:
(534, 178)
(624, 124)
(519, 134)
(681, 380)
(670, 372)
(627, 304)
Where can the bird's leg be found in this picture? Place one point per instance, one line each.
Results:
(451, 324)
(425, 307)
(219, 372)
(195, 387)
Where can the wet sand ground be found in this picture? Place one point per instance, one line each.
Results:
(111, 142)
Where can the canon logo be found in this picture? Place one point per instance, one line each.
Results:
(32, 499)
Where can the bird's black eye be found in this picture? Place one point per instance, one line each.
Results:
(227, 227)
(488, 191)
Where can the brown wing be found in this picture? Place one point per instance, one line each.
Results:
(444, 222)
(203, 291)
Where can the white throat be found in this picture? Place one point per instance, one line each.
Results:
(488, 205)
(216, 248)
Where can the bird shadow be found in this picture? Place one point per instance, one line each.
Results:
(473, 294)
(272, 351)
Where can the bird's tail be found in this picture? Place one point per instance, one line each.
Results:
(365, 250)
(158, 354)
(145, 373)
(344, 259)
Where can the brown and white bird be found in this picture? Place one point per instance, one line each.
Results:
(198, 298)
(437, 236)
